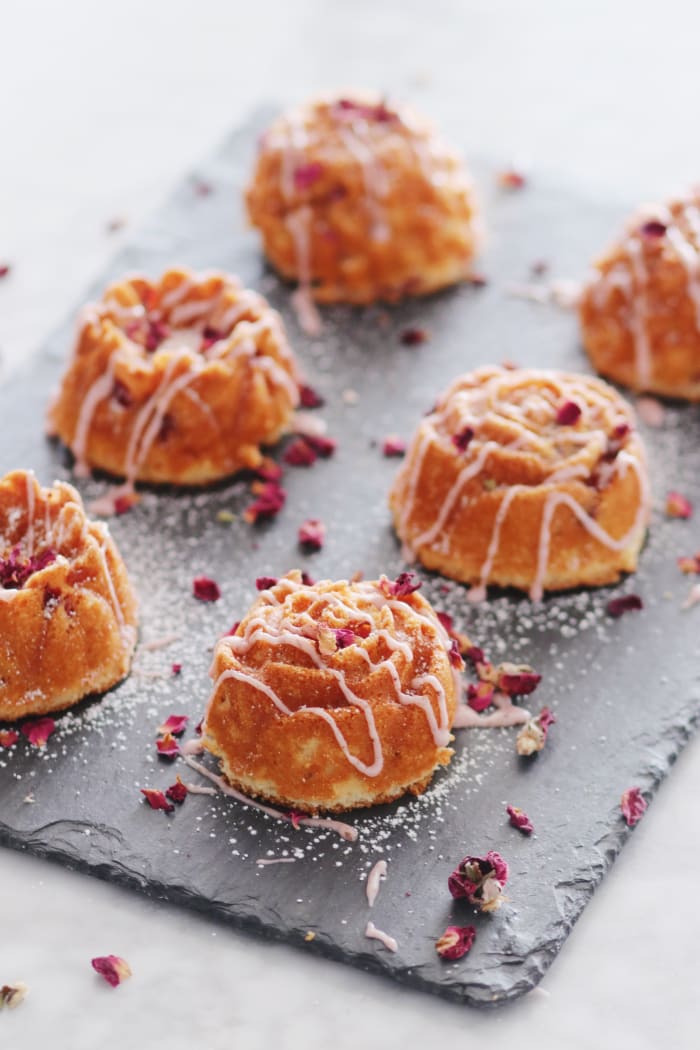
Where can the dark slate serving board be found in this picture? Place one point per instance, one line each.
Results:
(626, 693)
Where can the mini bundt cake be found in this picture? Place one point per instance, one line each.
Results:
(640, 309)
(359, 201)
(67, 611)
(178, 381)
(525, 478)
(330, 695)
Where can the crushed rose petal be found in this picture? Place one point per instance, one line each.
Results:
(308, 397)
(455, 942)
(511, 179)
(344, 637)
(456, 656)
(307, 580)
(4, 270)
(393, 446)
(533, 736)
(653, 229)
(307, 174)
(516, 679)
(269, 470)
(38, 731)
(404, 584)
(8, 737)
(632, 805)
(11, 995)
(205, 589)
(157, 800)
(271, 498)
(175, 724)
(299, 453)
(124, 503)
(323, 446)
(312, 534)
(263, 583)
(678, 506)
(414, 336)
(519, 819)
(480, 880)
(617, 607)
(176, 668)
(480, 696)
(167, 746)
(568, 414)
(177, 792)
(15, 570)
(461, 441)
(113, 968)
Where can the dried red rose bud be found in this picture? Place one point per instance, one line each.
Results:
(205, 589)
(519, 819)
(678, 506)
(323, 446)
(690, 565)
(633, 805)
(533, 735)
(8, 737)
(167, 746)
(38, 731)
(175, 724)
(307, 174)
(414, 336)
(11, 995)
(299, 453)
(263, 583)
(617, 607)
(653, 229)
(157, 800)
(480, 696)
(393, 446)
(404, 584)
(176, 668)
(511, 179)
(476, 655)
(271, 498)
(344, 637)
(516, 679)
(455, 942)
(312, 534)
(308, 397)
(568, 414)
(177, 792)
(114, 969)
(461, 440)
(480, 880)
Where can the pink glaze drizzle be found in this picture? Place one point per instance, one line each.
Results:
(374, 881)
(374, 934)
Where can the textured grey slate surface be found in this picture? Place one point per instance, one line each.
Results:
(626, 693)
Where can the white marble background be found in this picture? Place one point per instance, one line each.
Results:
(102, 106)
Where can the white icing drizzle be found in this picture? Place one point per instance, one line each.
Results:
(346, 831)
(506, 714)
(263, 862)
(374, 880)
(486, 396)
(374, 934)
(277, 630)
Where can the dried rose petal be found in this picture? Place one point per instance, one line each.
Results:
(4, 270)
(176, 668)
(8, 737)
(480, 880)
(269, 470)
(516, 679)
(38, 731)
(177, 792)
(568, 414)
(263, 583)
(124, 503)
(307, 580)
(344, 637)
(690, 565)
(308, 397)
(232, 629)
(198, 727)
(533, 736)
(519, 819)
(11, 995)
(633, 805)
(480, 696)
(175, 724)
(511, 179)
(653, 229)
(461, 441)
(323, 446)
(414, 336)
(678, 506)
(456, 656)
(617, 607)
(307, 174)
(121, 394)
(112, 968)
(271, 498)
(16, 570)
(312, 534)
(455, 942)
(157, 800)
(205, 589)
(404, 584)
(167, 746)
(477, 656)
(299, 453)
(393, 446)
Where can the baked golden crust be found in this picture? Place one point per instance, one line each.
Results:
(179, 380)
(525, 478)
(314, 720)
(69, 628)
(640, 309)
(359, 202)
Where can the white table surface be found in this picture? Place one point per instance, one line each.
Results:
(102, 107)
